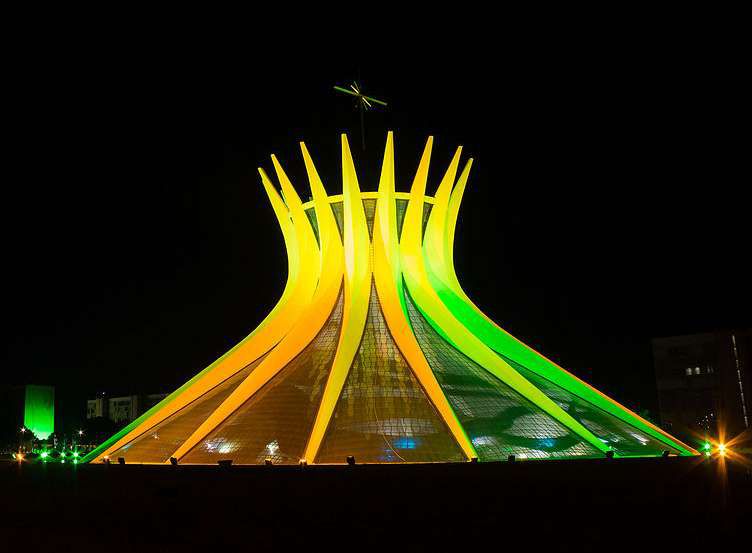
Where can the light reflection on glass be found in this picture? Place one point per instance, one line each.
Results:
(272, 447)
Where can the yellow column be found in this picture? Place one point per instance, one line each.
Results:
(301, 283)
(388, 279)
(312, 319)
(426, 298)
(357, 293)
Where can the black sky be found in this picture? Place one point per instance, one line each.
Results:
(604, 208)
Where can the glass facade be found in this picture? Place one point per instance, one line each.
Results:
(276, 421)
(383, 415)
(623, 438)
(369, 206)
(498, 420)
(161, 441)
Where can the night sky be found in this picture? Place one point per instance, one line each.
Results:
(604, 205)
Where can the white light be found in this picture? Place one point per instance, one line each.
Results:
(226, 447)
(642, 439)
(483, 440)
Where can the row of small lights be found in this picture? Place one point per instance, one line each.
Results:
(20, 457)
(707, 449)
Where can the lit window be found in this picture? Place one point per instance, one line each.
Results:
(697, 370)
(689, 371)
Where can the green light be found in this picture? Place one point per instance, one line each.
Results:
(75, 461)
(39, 410)
(75, 453)
(706, 447)
(44, 455)
(707, 454)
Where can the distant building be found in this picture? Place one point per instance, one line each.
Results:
(705, 382)
(34, 409)
(121, 409)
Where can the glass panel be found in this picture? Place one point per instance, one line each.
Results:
(498, 420)
(339, 215)
(383, 414)
(276, 422)
(369, 206)
(623, 438)
(311, 214)
(401, 209)
(158, 443)
(426, 213)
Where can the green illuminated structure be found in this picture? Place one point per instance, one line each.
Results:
(39, 410)
(375, 351)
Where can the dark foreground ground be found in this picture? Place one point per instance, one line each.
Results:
(608, 505)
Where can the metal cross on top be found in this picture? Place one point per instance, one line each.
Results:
(362, 103)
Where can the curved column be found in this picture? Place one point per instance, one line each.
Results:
(357, 293)
(313, 317)
(439, 255)
(296, 295)
(442, 319)
(390, 291)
